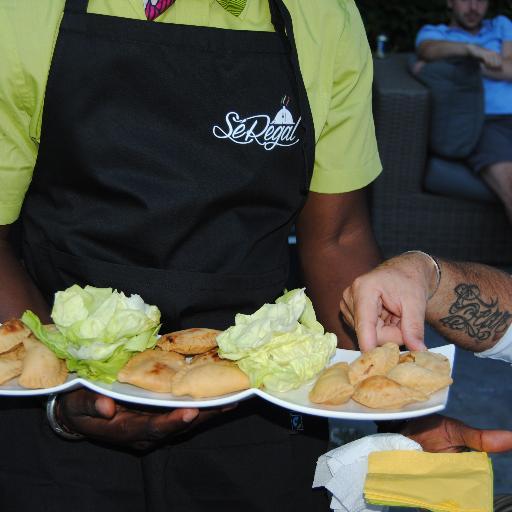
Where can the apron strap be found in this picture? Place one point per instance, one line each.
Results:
(76, 6)
(277, 19)
(283, 24)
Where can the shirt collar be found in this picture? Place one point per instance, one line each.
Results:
(234, 7)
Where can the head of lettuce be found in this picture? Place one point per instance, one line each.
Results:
(281, 346)
(97, 329)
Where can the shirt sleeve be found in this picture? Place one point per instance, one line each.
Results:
(430, 33)
(346, 155)
(17, 150)
(505, 28)
(502, 350)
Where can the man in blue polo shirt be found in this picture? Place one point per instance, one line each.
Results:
(490, 42)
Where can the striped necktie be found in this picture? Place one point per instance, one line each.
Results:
(154, 8)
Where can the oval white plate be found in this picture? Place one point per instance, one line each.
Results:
(296, 400)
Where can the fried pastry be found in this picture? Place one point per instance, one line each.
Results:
(380, 392)
(9, 368)
(11, 363)
(152, 369)
(12, 333)
(417, 377)
(41, 367)
(189, 341)
(377, 361)
(332, 386)
(430, 360)
(406, 357)
(209, 379)
(211, 356)
(15, 354)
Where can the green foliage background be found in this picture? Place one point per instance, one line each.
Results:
(400, 20)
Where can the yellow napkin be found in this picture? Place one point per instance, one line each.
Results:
(441, 482)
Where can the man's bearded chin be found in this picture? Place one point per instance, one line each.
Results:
(470, 21)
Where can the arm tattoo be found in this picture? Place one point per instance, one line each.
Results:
(478, 318)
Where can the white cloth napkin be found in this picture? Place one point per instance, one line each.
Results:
(342, 471)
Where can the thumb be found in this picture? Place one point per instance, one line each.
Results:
(104, 406)
(490, 441)
(496, 441)
(87, 403)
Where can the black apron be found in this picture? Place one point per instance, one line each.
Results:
(173, 162)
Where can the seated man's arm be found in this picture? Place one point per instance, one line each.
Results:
(433, 43)
(430, 50)
(435, 50)
(505, 72)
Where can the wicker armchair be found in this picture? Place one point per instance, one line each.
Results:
(404, 215)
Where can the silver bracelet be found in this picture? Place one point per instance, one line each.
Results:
(436, 265)
(55, 425)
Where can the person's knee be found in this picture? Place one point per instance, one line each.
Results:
(499, 175)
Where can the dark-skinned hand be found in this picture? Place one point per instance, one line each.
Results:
(100, 418)
(438, 433)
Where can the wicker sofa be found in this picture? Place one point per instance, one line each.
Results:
(406, 216)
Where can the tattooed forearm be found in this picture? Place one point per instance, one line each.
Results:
(480, 319)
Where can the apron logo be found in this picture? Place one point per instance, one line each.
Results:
(260, 128)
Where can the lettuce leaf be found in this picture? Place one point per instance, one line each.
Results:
(281, 346)
(97, 330)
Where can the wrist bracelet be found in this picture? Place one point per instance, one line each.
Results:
(436, 265)
(59, 429)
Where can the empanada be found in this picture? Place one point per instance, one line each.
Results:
(152, 369)
(377, 361)
(380, 392)
(417, 377)
(15, 354)
(209, 379)
(41, 367)
(332, 386)
(12, 333)
(211, 356)
(189, 341)
(9, 368)
(430, 360)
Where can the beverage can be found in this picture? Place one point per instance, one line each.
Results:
(381, 46)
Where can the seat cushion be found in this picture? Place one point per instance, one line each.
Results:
(454, 179)
(457, 104)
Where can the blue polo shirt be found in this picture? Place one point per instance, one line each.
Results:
(498, 93)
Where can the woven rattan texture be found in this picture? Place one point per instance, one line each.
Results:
(406, 217)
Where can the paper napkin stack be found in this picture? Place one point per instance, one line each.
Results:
(441, 482)
(343, 470)
(383, 470)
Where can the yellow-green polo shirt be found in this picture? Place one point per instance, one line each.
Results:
(334, 57)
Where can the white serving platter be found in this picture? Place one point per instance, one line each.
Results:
(295, 400)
